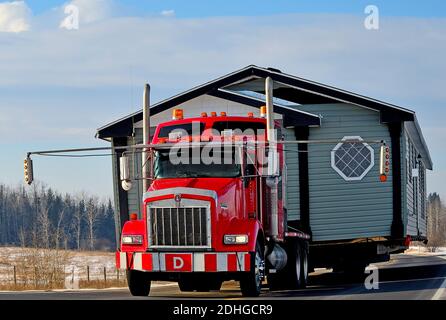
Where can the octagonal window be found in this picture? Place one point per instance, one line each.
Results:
(352, 159)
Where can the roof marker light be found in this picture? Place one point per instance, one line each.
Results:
(213, 114)
(204, 114)
(177, 114)
(263, 111)
(250, 115)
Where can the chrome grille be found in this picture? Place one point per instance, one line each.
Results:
(179, 227)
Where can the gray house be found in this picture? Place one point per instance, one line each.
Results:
(333, 189)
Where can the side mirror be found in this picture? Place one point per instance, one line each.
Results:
(124, 173)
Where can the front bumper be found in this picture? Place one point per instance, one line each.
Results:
(184, 261)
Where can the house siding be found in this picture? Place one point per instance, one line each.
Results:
(415, 190)
(292, 189)
(342, 209)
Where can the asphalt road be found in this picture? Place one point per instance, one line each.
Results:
(406, 277)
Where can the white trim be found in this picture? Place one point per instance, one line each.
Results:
(222, 262)
(372, 162)
(198, 263)
(123, 260)
(137, 261)
(155, 261)
(241, 261)
(162, 262)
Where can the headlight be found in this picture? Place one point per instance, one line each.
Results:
(131, 239)
(235, 239)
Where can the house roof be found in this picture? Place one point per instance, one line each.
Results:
(234, 86)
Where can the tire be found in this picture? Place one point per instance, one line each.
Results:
(304, 265)
(294, 266)
(138, 283)
(295, 274)
(251, 283)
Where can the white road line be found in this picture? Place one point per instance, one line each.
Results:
(441, 290)
(413, 280)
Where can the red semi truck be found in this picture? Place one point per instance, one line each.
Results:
(205, 222)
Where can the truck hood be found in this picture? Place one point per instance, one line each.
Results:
(219, 185)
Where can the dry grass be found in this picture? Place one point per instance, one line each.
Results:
(43, 269)
(100, 284)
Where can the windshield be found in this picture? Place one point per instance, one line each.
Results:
(189, 163)
(186, 129)
(242, 127)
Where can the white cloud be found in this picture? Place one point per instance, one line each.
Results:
(14, 16)
(168, 13)
(90, 10)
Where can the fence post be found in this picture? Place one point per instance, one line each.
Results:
(88, 274)
(105, 275)
(35, 277)
(15, 276)
(117, 274)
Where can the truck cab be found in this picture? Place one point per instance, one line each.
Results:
(214, 210)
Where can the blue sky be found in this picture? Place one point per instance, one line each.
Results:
(206, 8)
(58, 86)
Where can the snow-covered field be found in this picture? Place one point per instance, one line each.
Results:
(74, 264)
(426, 250)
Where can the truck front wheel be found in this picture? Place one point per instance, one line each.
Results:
(138, 282)
(251, 283)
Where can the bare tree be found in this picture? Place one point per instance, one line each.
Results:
(78, 217)
(59, 229)
(436, 222)
(92, 216)
(44, 223)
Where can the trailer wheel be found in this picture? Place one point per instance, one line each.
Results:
(304, 265)
(294, 267)
(251, 283)
(138, 283)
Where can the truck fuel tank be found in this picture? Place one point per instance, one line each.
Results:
(277, 257)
